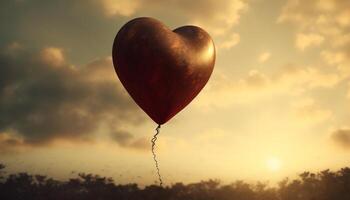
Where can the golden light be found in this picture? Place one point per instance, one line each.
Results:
(273, 164)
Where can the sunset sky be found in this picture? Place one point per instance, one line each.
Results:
(277, 103)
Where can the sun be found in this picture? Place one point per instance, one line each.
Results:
(273, 164)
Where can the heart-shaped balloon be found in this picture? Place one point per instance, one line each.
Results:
(162, 70)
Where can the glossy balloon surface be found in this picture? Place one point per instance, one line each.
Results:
(162, 70)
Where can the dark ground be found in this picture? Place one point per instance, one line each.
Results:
(324, 185)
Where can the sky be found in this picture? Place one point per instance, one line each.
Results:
(277, 103)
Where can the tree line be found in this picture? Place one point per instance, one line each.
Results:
(323, 185)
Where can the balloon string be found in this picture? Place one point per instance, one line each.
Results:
(154, 139)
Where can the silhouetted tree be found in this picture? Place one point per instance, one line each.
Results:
(325, 185)
(2, 167)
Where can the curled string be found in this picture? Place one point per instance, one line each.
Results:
(154, 139)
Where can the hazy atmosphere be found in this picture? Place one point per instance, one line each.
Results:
(277, 103)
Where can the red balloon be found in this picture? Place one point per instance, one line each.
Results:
(162, 70)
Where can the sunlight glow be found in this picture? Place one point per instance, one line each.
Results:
(273, 164)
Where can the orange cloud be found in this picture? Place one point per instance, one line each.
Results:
(308, 111)
(119, 7)
(323, 22)
(265, 56)
(341, 137)
(231, 41)
(52, 56)
(307, 40)
(290, 80)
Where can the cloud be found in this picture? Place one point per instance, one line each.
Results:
(314, 12)
(87, 28)
(341, 137)
(291, 80)
(332, 57)
(338, 58)
(10, 143)
(216, 17)
(14, 46)
(255, 79)
(52, 56)
(265, 56)
(40, 103)
(119, 7)
(79, 27)
(307, 110)
(325, 22)
(232, 41)
(140, 144)
(343, 18)
(307, 40)
(307, 77)
(127, 140)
